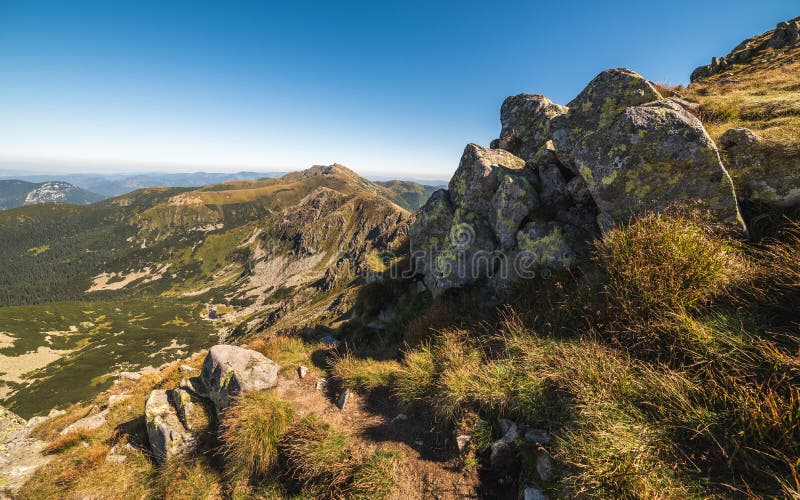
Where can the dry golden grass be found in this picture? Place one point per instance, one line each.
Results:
(763, 95)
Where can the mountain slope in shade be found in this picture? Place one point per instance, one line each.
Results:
(16, 193)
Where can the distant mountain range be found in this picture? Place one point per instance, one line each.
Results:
(16, 193)
(109, 185)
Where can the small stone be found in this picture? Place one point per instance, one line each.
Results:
(537, 436)
(531, 493)
(399, 418)
(419, 443)
(322, 384)
(544, 465)
(187, 369)
(331, 342)
(344, 397)
(55, 413)
(89, 423)
(302, 371)
(462, 441)
(117, 399)
(133, 377)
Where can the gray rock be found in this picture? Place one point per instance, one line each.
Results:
(596, 107)
(525, 120)
(762, 174)
(544, 465)
(514, 199)
(20, 455)
(553, 190)
(533, 493)
(330, 342)
(344, 397)
(475, 181)
(579, 191)
(430, 231)
(166, 434)
(86, 424)
(537, 436)
(322, 384)
(131, 376)
(651, 157)
(190, 410)
(187, 369)
(229, 371)
(116, 399)
(554, 245)
(503, 451)
(302, 371)
(462, 442)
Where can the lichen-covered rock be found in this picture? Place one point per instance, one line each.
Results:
(762, 174)
(596, 107)
(20, 454)
(525, 120)
(88, 423)
(551, 244)
(553, 189)
(190, 409)
(467, 255)
(514, 199)
(653, 156)
(431, 229)
(166, 433)
(478, 175)
(229, 371)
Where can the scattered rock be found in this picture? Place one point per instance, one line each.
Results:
(503, 452)
(533, 493)
(537, 436)
(133, 377)
(191, 411)
(544, 465)
(116, 399)
(322, 384)
(229, 371)
(462, 442)
(187, 369)
(401, 417)
(20, 455)
(762, 174)
(89, 423)
(166, 434)
(302, 371)
(331, 342)
(344, 397)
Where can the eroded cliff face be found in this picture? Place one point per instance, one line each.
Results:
(559, 176)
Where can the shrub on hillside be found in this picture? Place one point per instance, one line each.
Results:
(250, 432)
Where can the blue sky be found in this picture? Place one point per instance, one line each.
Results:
(388, 88)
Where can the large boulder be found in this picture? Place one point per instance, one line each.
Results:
(762, 173)
(190, 409)
(525, 120)
(653, 156)
(597, 107)
(167, 435)
(514, 199)
(467, 256)
(477, 178)
(229, 371)
(430, 230)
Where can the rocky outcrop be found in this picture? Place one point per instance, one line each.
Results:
(785, 34)
(167, 435)
(559, 175)
(20, 454)
(230, 370)
(764, 172)
(525, 119)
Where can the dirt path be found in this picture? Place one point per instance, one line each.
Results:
(428, 469)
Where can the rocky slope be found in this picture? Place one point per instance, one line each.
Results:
(15, 193)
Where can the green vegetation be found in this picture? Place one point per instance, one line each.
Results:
(250, 434)
(64, 352)
(666, 369)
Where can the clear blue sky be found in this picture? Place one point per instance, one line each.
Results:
(384, 87)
